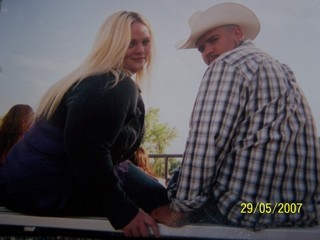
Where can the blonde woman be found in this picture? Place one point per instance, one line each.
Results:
(86, 123)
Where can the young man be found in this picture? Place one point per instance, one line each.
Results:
(252, 156)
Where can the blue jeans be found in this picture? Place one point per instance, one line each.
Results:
(144, 190)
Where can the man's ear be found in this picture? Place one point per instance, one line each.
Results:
(238, 34)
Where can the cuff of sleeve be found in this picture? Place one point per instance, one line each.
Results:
(122, 214)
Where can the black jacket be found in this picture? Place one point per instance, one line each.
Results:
(65, 165)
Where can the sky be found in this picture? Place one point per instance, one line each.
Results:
(43, 40)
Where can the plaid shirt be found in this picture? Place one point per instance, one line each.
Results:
(252, 140)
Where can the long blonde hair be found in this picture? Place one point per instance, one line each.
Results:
(107, 55)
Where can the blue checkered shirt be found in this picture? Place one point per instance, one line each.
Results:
(252, 140)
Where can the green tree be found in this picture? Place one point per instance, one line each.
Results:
(158, 137)
(173, 164)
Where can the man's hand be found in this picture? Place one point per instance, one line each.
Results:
(141, 225)
(171, 218)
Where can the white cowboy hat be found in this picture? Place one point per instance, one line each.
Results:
(219, 15)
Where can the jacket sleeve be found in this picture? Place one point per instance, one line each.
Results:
(95, 116)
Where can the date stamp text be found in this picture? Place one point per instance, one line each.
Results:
(271, 208)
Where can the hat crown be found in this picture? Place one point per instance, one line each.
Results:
(222, 14)
(193, 19)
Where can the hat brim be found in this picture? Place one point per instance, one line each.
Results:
(220, 15)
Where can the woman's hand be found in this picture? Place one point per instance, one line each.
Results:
(141, 225)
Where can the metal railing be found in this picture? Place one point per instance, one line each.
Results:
(166, 161)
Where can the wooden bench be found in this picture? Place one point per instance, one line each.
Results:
(16, 224)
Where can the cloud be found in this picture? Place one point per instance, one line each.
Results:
(3, 9)
(33, 62)
(44, 67)
(28, 77)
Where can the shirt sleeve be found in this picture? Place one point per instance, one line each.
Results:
(95, 116)
(212, 125)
